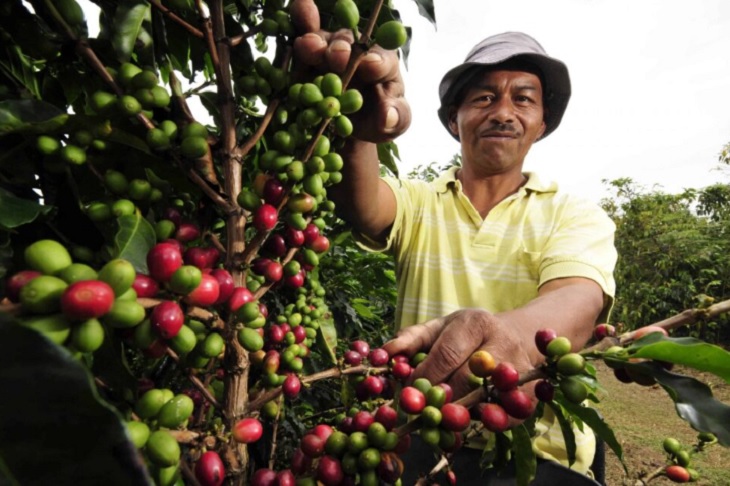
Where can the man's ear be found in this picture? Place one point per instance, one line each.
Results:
(453, 125)
(543, 127)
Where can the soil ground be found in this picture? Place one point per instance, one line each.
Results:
(642, 417)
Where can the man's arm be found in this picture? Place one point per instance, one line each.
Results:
(362, 198)
(570, 306)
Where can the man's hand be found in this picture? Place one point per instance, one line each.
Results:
(451, 341)
(385, 114)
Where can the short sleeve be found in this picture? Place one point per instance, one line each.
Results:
(582, 245)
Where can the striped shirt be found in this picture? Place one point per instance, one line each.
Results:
(449, 258)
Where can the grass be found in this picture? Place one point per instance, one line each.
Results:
(642, 417)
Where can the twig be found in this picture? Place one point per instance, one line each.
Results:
(177, 19)
(250, 143)
(688, 316)
(185, 436)
(257, 402)
(443, 462)
(208, 34)
(274, 442)
(195, 380)
(246, 35)
(188, 473)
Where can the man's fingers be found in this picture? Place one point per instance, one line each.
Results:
(413, 339)
(310, 49)
(379, 66)
(338, 55)
(304, 16)
(395, 116)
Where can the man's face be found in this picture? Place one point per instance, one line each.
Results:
(499, 119)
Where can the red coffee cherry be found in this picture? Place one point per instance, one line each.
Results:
(162, 261)
(678, 474)
(209, 469)
(516, 403)
(291, 386)
(87, 299)
(412, 400)
(205, 294)
(247, 430)
(455, 417)
(494, 417)
(167, 319)
(378, 357)
(543, 338)
(265, 217)
(505, 377)
(17, 281)
(145, 286)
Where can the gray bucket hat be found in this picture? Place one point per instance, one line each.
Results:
(499, 48)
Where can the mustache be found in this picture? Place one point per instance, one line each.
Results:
(499, 129)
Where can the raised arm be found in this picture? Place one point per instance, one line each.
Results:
(362, 198)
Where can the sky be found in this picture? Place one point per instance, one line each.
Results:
(650, 79)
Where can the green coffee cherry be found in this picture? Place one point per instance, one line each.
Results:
(331, 85)
(157, 139)
(47, 256)
(47, 145)
(87, 336)
(55, 327)
(391, 35)
(347, 14)
(73, 155)
(194, 147)
(162, 449)
(350, 102)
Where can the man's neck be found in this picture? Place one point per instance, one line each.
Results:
(485, 192)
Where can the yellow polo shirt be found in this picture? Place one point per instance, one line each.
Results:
(449, 258)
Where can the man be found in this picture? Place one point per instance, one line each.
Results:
(486, 255)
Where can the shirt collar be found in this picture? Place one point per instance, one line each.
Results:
(533, 184)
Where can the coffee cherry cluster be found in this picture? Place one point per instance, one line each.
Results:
(563, 366)
(443, 422)
(501, 381)
(362, 449)
(68, 302)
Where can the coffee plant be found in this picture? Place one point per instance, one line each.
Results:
(164, 319)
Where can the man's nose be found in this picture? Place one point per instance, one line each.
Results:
(502, 110)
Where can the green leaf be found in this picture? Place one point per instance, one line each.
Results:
(590, 416)
(31, 116)
(693, 401)
(133, 240)
(686, 351)
(126, 138)
(127, 26)
(57, 431)
(426, 9)
(566, 426)
(211, 103)
(387, 153)
(15, 211)
(327, 338)
(20, 67)
(525, 459)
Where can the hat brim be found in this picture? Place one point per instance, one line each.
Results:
(556, 91)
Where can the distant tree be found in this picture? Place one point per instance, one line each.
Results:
(673, 253)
